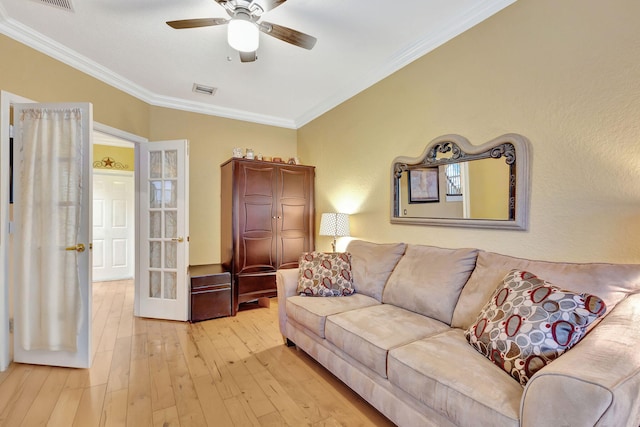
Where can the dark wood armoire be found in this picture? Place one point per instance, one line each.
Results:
(267, 221)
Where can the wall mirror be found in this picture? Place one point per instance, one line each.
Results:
(454, 183)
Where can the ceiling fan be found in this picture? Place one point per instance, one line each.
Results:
(244, 29)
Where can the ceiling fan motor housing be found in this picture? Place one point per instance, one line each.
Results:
(252, 8)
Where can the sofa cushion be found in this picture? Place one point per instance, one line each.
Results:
(448, 375)
(325, 274)
(367, 334)
(428, 280)
(371, 265)
(528, 322)
(611, 282)
(312, 312)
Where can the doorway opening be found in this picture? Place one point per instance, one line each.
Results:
(113, 208)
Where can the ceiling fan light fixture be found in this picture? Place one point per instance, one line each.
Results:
(242, 34)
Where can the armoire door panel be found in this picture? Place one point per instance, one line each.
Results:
(293, 218)
(293, 184)
(290, 250)
(257, 217)
(258, 182)
(258, 254)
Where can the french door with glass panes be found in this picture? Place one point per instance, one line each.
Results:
(162, 287)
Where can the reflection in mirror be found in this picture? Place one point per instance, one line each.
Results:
(476, 189)
(455, 183)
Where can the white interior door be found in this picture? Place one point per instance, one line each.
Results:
(163, 189)
(57, 185)
(113, 225)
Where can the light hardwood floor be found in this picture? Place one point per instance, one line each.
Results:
(224, 372)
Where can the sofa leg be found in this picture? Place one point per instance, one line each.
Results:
(290, 343)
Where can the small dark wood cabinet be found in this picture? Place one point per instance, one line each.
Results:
(267, 221)
(210, 292)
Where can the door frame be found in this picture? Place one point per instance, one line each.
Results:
(136, 140)
(7, 99)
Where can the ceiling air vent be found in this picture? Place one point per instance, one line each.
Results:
(206, 90)
(62, 4)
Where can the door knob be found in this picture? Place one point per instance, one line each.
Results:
(79, 247)
(178, 239)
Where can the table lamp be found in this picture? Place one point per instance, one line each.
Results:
(334, 224)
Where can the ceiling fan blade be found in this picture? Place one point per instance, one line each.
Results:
(270, 4)
(195, 23)
(248, 56)
(288, 35)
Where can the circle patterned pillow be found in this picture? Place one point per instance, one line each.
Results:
(325, 274)
(529, 322)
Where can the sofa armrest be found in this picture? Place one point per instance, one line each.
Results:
(595, 383)
(287, 283)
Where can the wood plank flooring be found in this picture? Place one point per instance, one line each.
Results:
(223, 372)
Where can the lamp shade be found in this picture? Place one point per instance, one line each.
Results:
(334, 224)
(242, 34)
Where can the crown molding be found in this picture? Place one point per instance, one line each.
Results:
(405, 56)
(29, 37)
(229, 113)
(400, 59)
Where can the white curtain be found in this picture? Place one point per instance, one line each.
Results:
(48, 213)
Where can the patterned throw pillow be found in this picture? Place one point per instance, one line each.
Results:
(325, 274)
(529, 322)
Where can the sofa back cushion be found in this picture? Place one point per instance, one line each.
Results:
(428, 280)
(610, 282)
(371, 265)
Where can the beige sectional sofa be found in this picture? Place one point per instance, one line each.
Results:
(399, 340)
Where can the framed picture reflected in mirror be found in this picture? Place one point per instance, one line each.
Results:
(424, 185)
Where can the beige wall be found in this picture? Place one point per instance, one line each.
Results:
(566, 74)
(211, 141)
(30, 74)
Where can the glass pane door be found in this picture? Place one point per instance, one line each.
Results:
(162, 213)
(163, 220)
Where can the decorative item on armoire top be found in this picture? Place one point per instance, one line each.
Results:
(237, 153)
(336, 225)
(250, 155)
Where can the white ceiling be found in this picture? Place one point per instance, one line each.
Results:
(127, 44)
